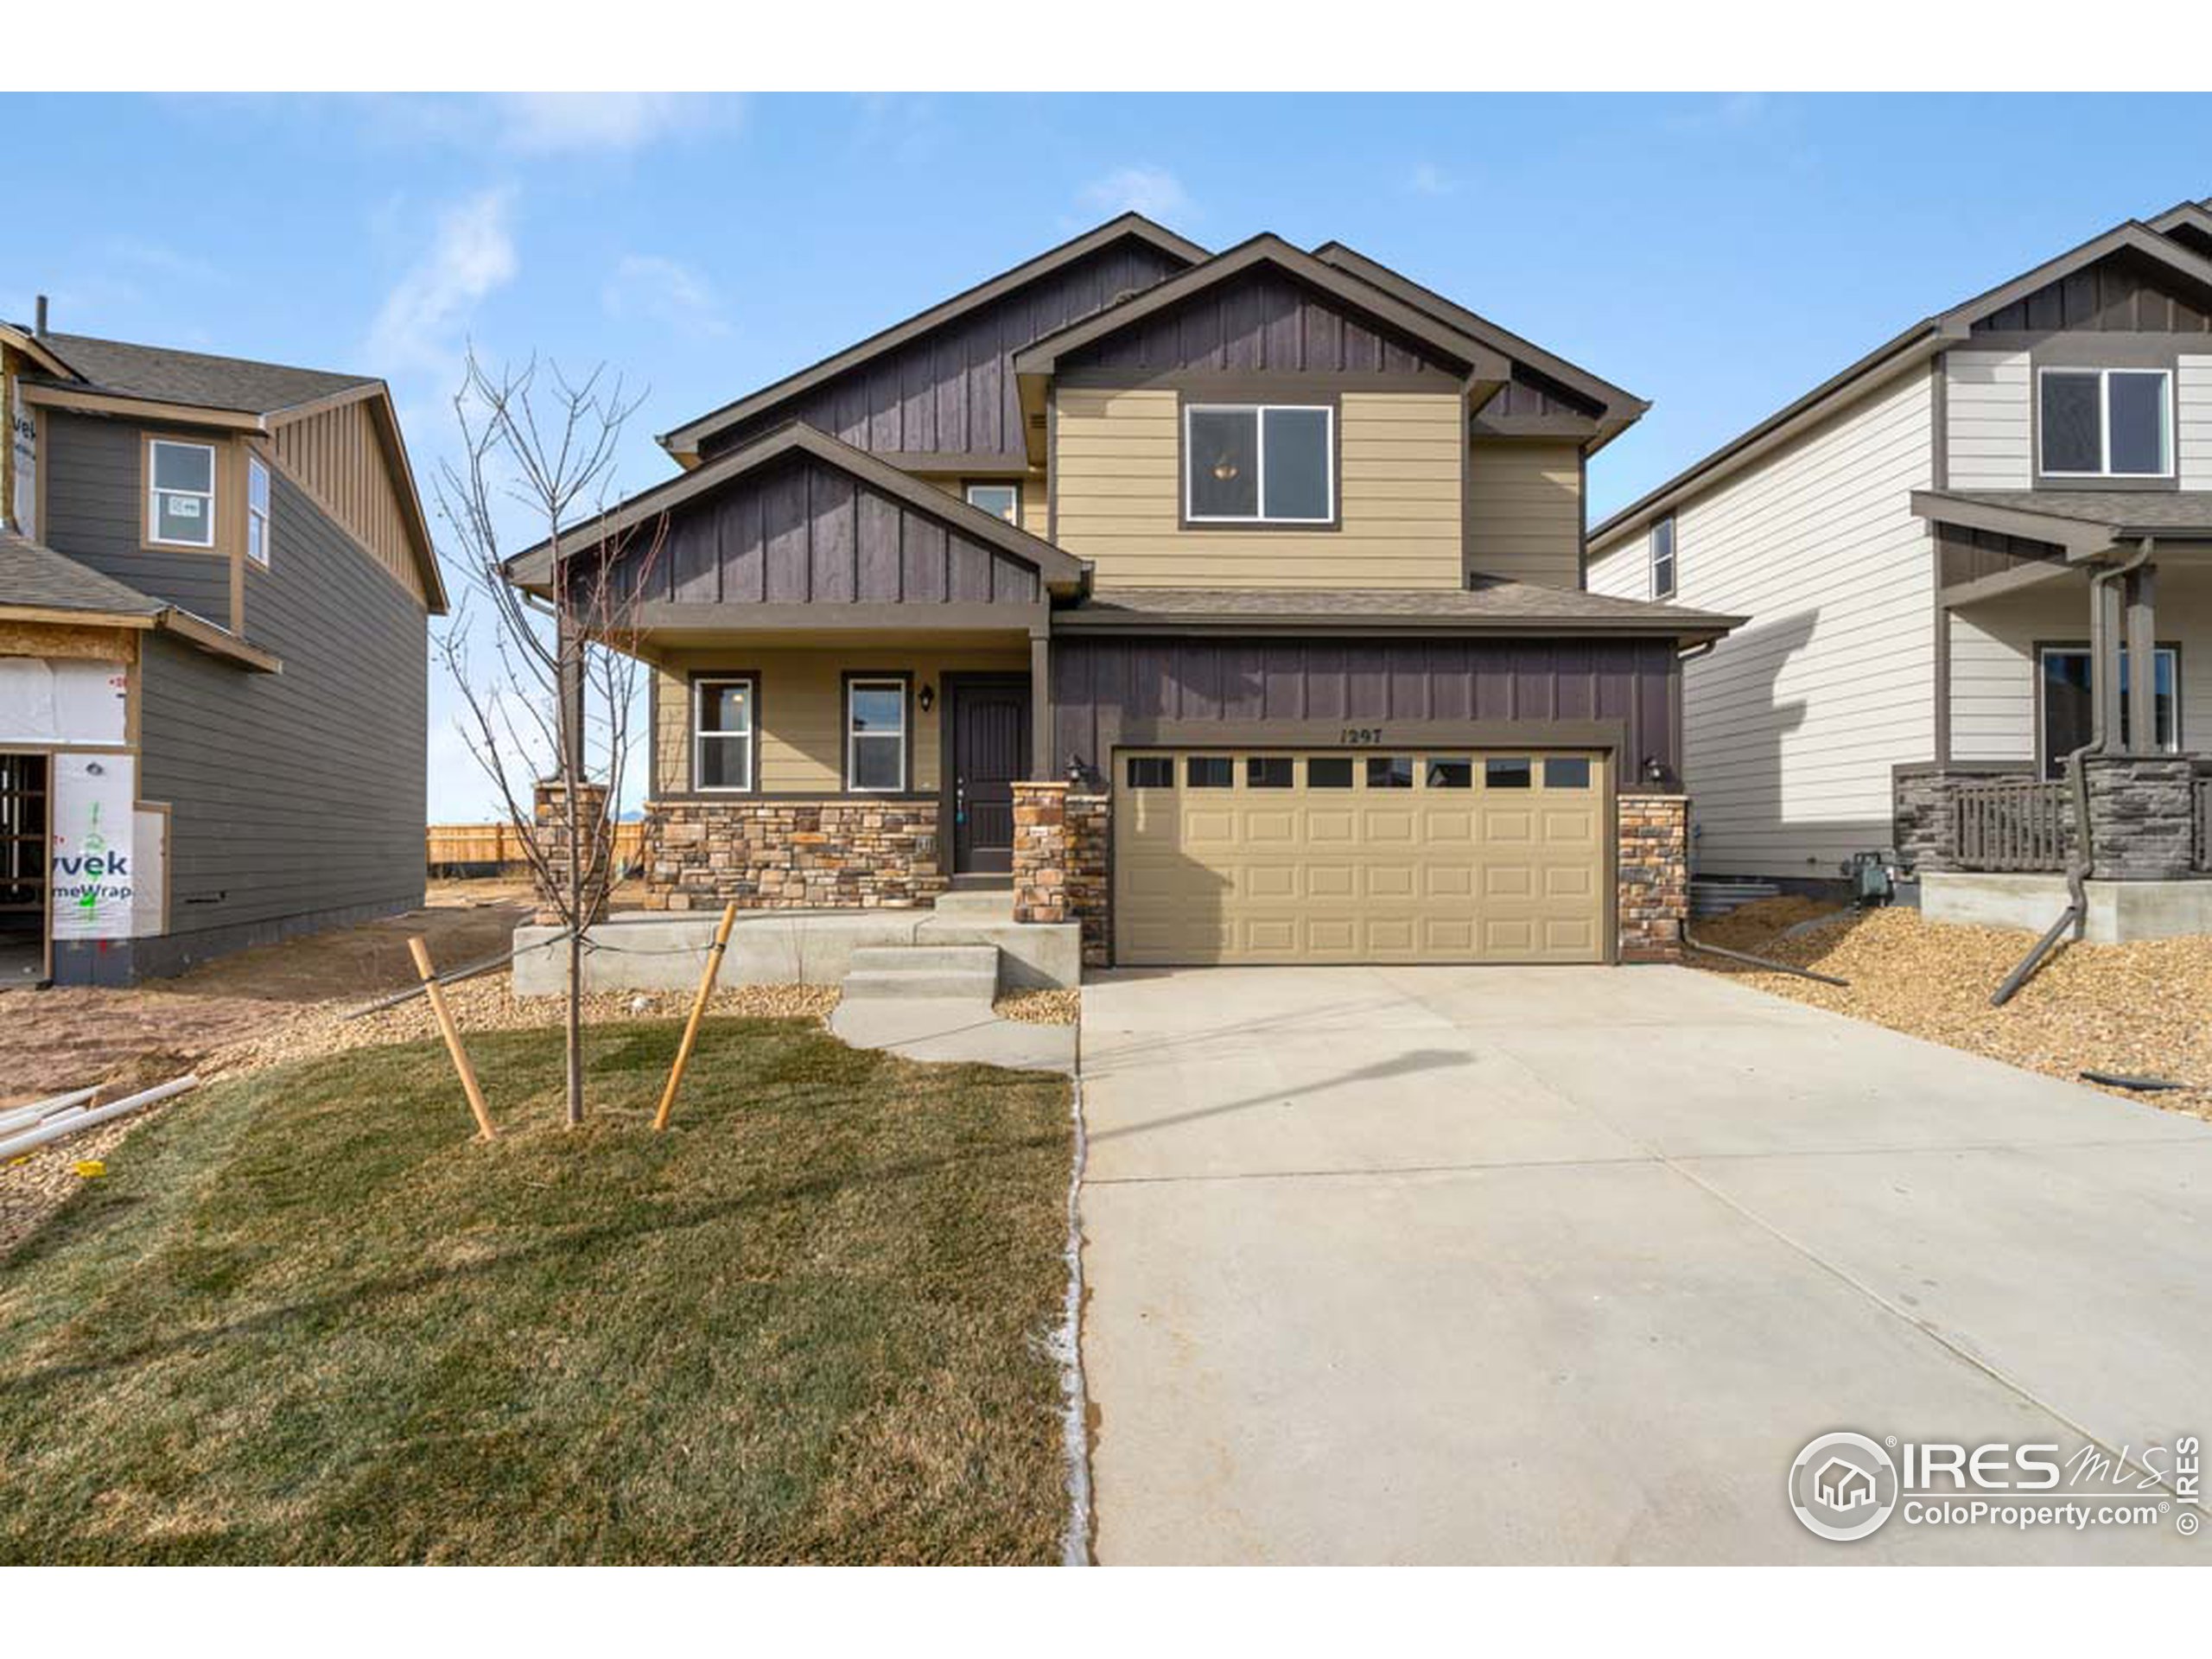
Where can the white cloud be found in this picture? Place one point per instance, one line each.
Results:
(418, 328)
(1427, 179)
(1152, 190)
(665, 291)
(554, 123)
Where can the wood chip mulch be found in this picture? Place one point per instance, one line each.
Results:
(2139, 1010)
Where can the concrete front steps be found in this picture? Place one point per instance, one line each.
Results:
(933, 1002)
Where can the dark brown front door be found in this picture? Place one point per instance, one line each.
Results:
(990, 720)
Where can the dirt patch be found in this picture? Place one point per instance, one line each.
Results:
(2134, 1009)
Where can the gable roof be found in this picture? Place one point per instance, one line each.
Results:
(1041, 357)
(159, 374)
(1619, 409)
(532, 568)
(684, 440)
(1922, 340)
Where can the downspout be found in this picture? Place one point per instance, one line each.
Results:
(2082, 858)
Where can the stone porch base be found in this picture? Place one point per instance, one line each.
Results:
(2119, 912)
(792, 854)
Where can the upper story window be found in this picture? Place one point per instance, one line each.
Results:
(256, 510)
(1255, 463)
(180, 511)
(2106, 423)
(1000, 501)
(722, 734)
(1662, 558)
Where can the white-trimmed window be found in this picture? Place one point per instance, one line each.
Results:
(1000, 501)
(256, 510)
(875, 735)
(1259, 463)
(722, 733)
(2105, 423)
(180, 511)
(1662, 558)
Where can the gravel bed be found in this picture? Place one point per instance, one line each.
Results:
(1040, 1007)
(2141, 1010)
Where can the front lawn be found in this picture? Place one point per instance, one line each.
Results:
(302, 1320)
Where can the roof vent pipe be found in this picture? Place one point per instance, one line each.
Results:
(38, 325)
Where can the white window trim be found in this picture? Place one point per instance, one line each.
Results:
(2104, 417)
(884, 683)
(1258, 411)
(2044, 653)
(968, 494)
(154, 492)
(256, 468)
(701, 736)
(1674, 557)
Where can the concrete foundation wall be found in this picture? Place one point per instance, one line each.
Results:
(2119, 910)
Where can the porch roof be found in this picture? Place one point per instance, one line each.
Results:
(1493, 607)
(2085, 522)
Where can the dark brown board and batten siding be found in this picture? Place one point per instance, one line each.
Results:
(802, 532)
(2124, 294)
(1261, 321)
(951, 391)
(1107, 692)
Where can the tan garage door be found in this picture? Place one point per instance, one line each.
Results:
(1429, 855)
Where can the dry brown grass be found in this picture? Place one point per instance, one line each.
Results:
(2142, 1010)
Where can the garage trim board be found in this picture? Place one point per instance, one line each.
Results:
(1406, 855)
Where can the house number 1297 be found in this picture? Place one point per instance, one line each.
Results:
(1362, 734)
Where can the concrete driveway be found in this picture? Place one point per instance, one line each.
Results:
(1486, 1265)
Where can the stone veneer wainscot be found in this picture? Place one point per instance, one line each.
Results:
(1653, 884)
(792, 855)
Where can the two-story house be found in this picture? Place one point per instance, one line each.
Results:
(215, 582)
(1982, 550)
(1231, 604)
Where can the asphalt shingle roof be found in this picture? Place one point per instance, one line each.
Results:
(163, 375)
(34, 575)
(1518, 603)
(2178, 511)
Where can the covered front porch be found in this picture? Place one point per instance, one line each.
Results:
(2074, 703)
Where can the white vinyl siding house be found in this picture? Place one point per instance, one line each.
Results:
(1793, 724)
(1988, 426)
(2193, 421)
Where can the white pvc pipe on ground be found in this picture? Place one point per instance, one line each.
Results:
(16, 1116)
(70, 1125)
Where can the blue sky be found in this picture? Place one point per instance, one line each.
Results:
(1716, 254)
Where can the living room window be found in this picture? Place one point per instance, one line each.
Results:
(1259, 464)
(875, 735)
(2068, 710)
(722, 734)
(180, 511)
(2106, 423)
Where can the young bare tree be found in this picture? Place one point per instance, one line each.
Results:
(548, 692)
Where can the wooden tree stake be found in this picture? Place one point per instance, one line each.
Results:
(698, 1012)
(421, 952)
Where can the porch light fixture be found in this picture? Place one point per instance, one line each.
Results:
(927, 697)
(1653, 771)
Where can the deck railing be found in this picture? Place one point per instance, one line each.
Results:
(2015, 823)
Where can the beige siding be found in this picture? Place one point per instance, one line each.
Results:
(2193, 423)
(1624, 570)
(801, 708)
(1993, 660)
(1119, 498)
(1986, 418)
(1524, 512)
(1793, 723)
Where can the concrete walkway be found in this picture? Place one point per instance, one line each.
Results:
(1566, 1265)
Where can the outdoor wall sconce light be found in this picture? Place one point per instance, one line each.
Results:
(928, 698)
(1653, 771)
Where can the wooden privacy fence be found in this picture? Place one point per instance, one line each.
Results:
(500, 846)
(2012, 824)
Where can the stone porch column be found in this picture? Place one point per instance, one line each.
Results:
(550, 812)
